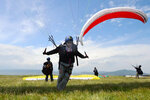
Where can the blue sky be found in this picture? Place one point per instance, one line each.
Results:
(112, 45)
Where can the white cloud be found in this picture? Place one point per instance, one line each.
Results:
(14, 57)
(114, 57)
(104, 58)
(81, 20)
(145, 8)
(88, 15)
(117, 40)
(27, 27)
(31, 18)
(40, 23)
(111, 3)
(102, 6)
(148, 14)
(115, 20)
(22, 18)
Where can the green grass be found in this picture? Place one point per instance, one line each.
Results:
(111, 88)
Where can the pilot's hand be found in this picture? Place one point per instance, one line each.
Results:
(44, 51)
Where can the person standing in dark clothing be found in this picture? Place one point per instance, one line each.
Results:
(48, 69)
(95, 71)
(67, 53)
(138, 71)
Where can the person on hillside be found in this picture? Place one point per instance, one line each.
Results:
(48, 69)
(95, 71)
(67, 53)
(138, 71)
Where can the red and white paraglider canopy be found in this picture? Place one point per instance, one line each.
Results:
(118, 12)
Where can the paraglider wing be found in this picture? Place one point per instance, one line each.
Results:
(118, 12)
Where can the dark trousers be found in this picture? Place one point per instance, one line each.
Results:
(96, 74)
(65, 71)
(51, 75)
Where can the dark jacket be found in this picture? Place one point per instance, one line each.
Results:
(139, 70)
(95, 72)
(47, 68)
(64, 56)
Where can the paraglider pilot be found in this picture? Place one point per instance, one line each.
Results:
(95, 71)
(67, 53)
(138, 71)
(48, 69)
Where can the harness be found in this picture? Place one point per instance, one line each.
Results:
(67, 67)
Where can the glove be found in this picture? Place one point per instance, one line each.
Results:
(44, 51)
(86, 56)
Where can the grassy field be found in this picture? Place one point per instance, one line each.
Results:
(111, 88)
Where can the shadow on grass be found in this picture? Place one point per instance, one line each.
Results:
(91, 88)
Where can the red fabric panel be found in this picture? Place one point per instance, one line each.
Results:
(122, 14)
